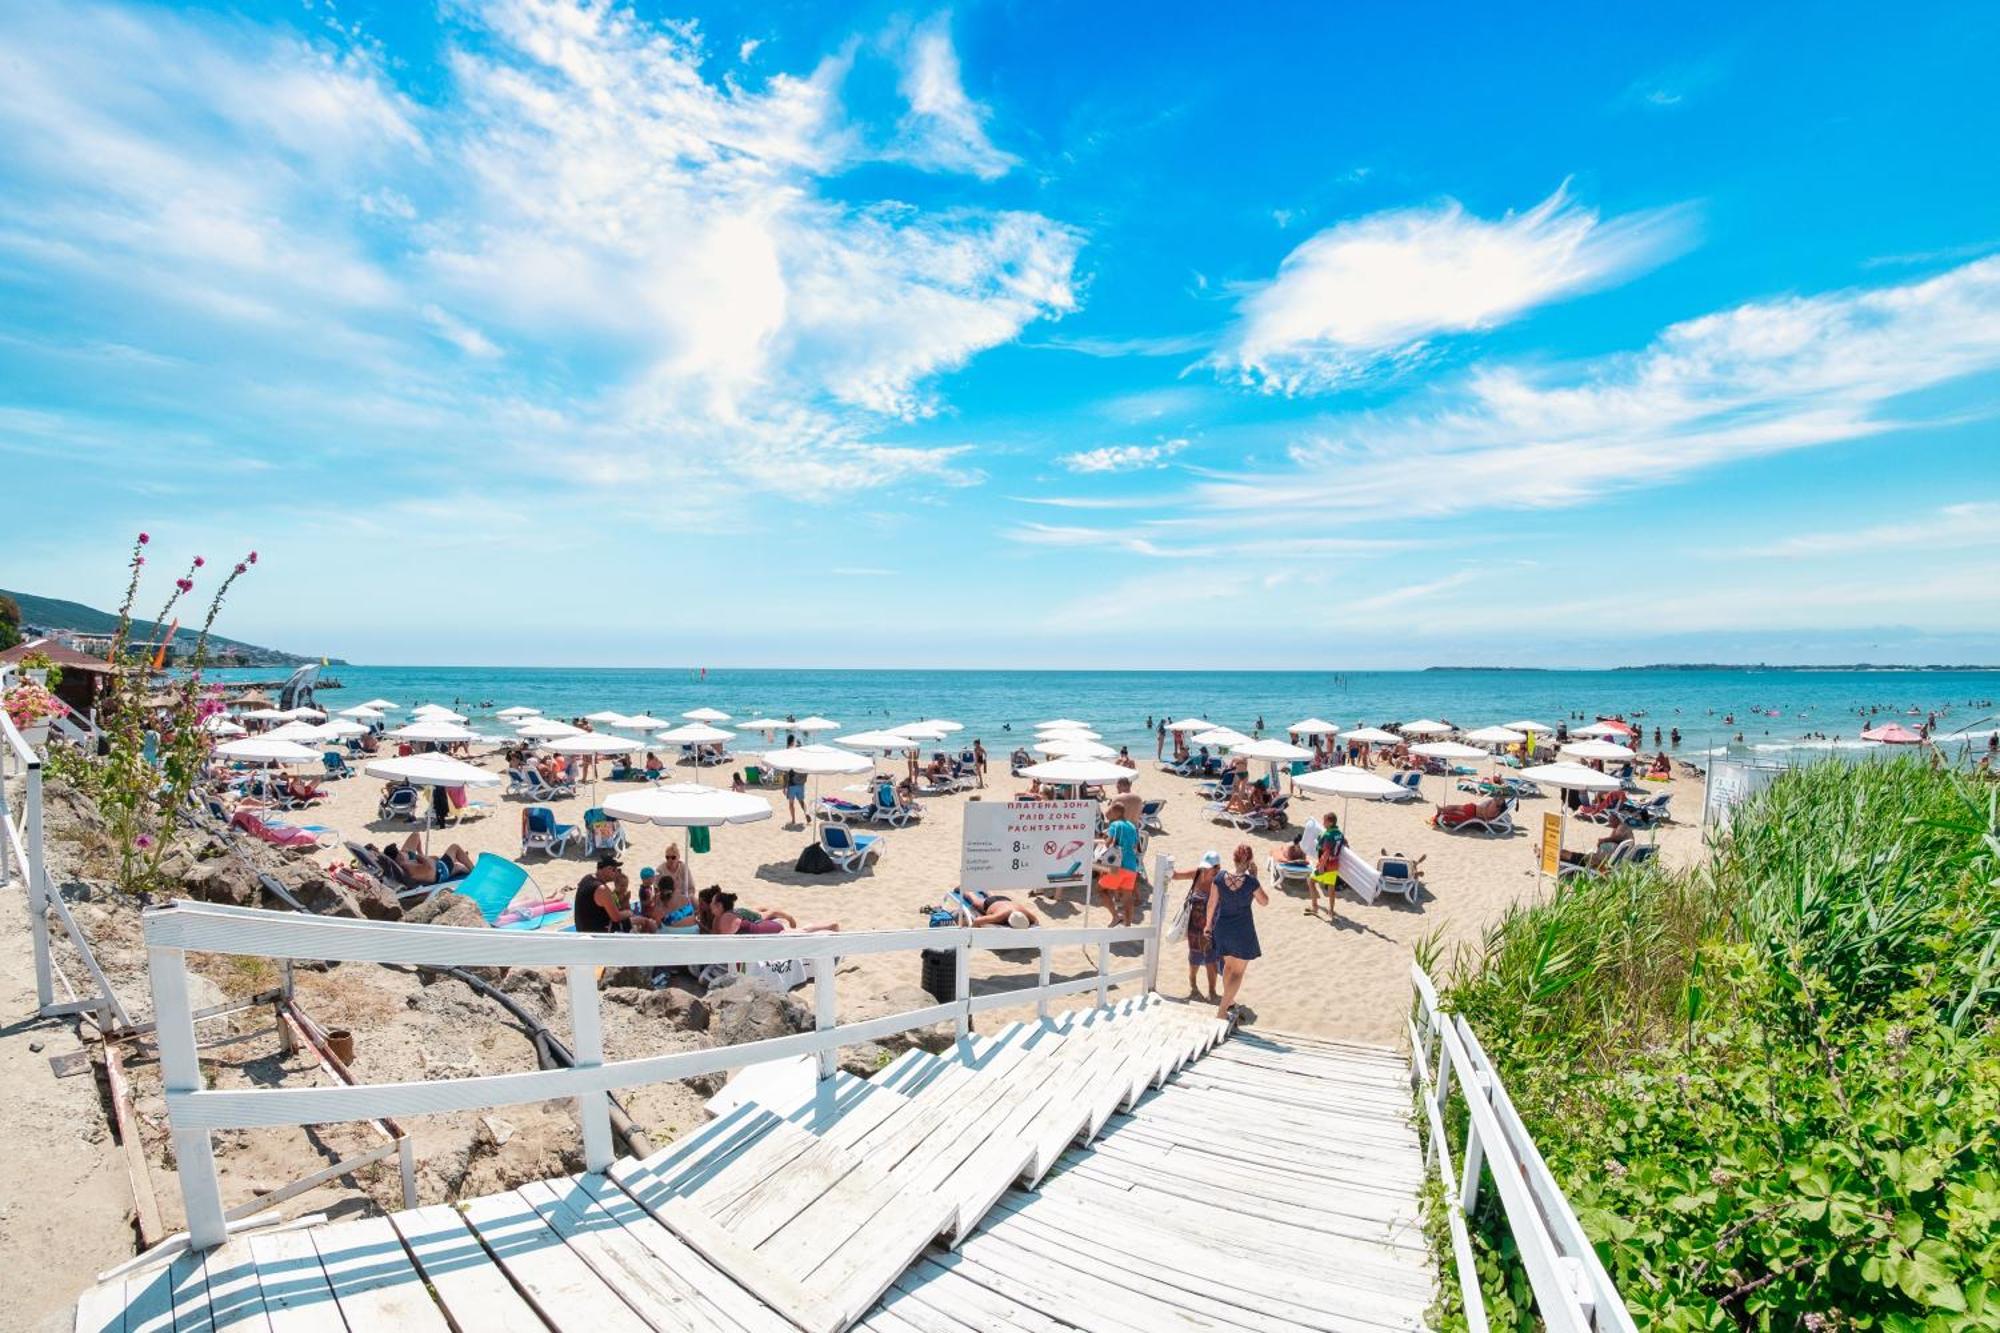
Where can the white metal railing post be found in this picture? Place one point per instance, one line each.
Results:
(6, 811)
(826, 1010)
(180, 1075)
(1477, 1083)
(587, 1030)
(1163, 875)
(38, 885)
(962, 981)
(1103, 975)
(1042, 983)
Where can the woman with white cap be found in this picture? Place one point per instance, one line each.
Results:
(1201, 948)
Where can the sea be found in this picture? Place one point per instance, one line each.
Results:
(1780, 713)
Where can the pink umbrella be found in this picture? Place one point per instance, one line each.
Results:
(1892, 733)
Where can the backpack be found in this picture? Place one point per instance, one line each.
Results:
(814, 861)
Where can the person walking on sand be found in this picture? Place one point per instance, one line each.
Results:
(1232, 923)
(1201, 946)
(795, 795)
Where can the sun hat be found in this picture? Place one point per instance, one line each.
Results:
(1017, 919)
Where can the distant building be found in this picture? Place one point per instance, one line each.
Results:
(85, 679)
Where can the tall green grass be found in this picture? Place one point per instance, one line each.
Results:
(1770, 1085)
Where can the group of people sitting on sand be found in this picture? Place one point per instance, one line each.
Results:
(667, 902)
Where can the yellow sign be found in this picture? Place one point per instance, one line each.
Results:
(1552, 837)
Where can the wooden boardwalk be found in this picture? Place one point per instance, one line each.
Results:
(1127, 1169)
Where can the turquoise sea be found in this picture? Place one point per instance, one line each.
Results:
(1771, 709)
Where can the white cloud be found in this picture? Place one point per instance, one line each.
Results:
(1373, 292)
(1122, 457)
(681, 298)
(1761, 378)
(1950, 528)
(945, 130)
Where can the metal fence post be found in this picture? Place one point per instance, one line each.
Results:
(1477, 1083)
(1103, 974)
(180, 1074)
(1042, 983)
(1163, 875)
(826, 1011)
(37, 876)
(587, 1029)
(962, 990)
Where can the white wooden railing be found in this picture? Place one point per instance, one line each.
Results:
(1573, 1293)
(196, 1112)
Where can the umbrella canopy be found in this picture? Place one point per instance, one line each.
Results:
(265, 715)
(1447, 750)
(1596, 750)
(705, 715)
(1603, 729)
(1425, 726)
(428, 730)
(810, 725)
(1345, 782)
(1272, 749)
(816, 760)
(1191, 724)
(430, 770)
(433, 713)
(1059, 722)
(943, 724)
(1539, 728)
(1069, 734)
(307, 714)
(543, 728)
(1496, 736)
(1574, 777)
(687, 805)
(644, 722)
(221, 726)
(590, 742)
(1892, 733)
(695, 733)
(922, 731)
(386, 705)
(1222, 738)
(1076, 770)
(605, 716)
(1312, 726)
(362, 713)
(299, 731)
(885, 741)
(764, 724)
(518, 711)
(1373, 736)
(341, 726)
(1068, 749)
(264, 750)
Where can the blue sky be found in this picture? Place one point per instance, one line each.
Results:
(1309, 335)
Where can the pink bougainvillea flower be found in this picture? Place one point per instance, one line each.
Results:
(144, 538)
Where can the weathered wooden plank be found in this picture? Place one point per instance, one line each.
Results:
(624, 1265)
(1358, 1198)
(373, 1281)
(771, 1284)
(561, 1286)
(101, 1308)
(753, 1215)
(1057, 1295)
(471, 1287)
(857, 1273)
(956, 1303)
(235, 1301)
(297, 1297)
(763, 1157)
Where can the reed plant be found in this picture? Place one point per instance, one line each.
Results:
(1770, 1085)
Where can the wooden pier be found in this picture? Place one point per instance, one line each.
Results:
(1131, 1168)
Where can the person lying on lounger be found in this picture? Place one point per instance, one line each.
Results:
(419, 868)
(1450, 815)
(994, 909)
(719, 915)
(1607, 846)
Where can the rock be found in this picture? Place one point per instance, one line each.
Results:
(498, 1131)
(688, 1012)
(898, 1000)
(626, 978)
(743, 1010)
(221, 881)
(446, 908)
(627, 995)
(322, 897)
(865, 1060)
(534, 987)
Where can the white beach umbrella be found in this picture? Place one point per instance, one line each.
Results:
(435, 714)
(1071, 771)
(545, 728)
(765, 724)
(1221, 738)
(1425, 726)
(589, 742)
(1448, 750)
(1347, 783)
(1271, 750)
(221, 726)
(1191, 724)
(644, 722)
(818, 760)
(1601, 729)
(430, 770)
(1372, 736)
(922, 731)
(1496, 736)
(695, 733)
(1069, 733)
(342, 728)
(265, 715)
(1539, 728)
(1584, 750)
(808, 726)
(1062, 747)
(1312, 726)
(386, 705)
(306, 714)
(299, 731)
(1571, 777)
(687, 805)
(362, 713)
(518, 711)
(429, 730)
(886, 742)
(1059, 722)
(605, 716)
(943, 724)
(264, 750)
(705, 715)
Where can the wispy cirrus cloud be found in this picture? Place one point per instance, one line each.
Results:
(945, 130)
(1122, 457)
(1761, 378)
(1953, 527)
(1373, 293)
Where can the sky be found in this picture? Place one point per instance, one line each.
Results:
(1012, 334)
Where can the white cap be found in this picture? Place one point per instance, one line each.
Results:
(1017, 919)
(1211, 858)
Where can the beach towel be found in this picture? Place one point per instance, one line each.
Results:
(1177, 928)
(697, 839)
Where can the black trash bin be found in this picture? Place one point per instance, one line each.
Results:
(941, 974)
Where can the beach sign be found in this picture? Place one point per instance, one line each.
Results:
(1026, 844)
(1552, 840)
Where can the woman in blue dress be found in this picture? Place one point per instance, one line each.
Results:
(1232, 928)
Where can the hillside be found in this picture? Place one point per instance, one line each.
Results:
(55, 613)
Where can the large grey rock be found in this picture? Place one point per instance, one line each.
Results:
(742, 1010)
(898, 1000)
(222, 880)
(446, 908)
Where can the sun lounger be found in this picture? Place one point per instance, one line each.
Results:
(1149, 815)
(1410, 783)
(1600, 810)
(544, 834)
(602, 833)
(540, 788)
(889, 809)
(1290, 874)
(335, 764)
(1398, 874)
(850, 850)
(1648, 812)
(1471, 821)
(400, 803)
(278, 833)
(833, 808)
